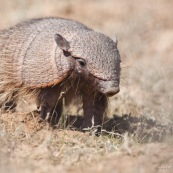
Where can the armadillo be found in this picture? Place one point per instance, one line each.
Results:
(55, 56)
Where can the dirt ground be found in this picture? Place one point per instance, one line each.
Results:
(137, 136)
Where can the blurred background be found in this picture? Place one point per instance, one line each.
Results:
(145, 33)
(145, 39)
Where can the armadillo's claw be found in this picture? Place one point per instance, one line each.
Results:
(44, 112)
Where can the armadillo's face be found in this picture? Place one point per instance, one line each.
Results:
(96, 56)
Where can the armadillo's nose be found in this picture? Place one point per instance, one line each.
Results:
(111, 91)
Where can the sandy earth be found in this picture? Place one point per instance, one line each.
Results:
(137, 136)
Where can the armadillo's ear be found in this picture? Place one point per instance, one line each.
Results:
(115, 39)
(62, 42)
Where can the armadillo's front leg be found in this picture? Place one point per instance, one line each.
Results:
(50, 102)
(94, 107)
(53, 113)
(56, 113)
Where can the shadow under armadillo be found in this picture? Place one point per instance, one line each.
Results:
(141, 128)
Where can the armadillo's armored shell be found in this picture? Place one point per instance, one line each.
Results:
(29, 55)
(43, 63)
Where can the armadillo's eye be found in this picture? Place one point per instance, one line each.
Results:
(81, 62)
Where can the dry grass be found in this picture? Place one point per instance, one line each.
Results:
(137, 137)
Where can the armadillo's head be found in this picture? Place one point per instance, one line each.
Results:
(95, 55)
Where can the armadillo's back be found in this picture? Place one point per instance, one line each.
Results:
(27, 55)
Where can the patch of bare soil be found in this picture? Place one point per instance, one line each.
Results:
(149, 158)
(29, 145)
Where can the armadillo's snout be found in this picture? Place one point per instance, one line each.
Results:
(111, 91)
(109, 88)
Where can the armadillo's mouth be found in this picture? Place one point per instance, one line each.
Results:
(108, 78)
